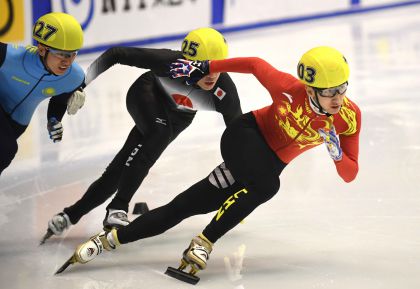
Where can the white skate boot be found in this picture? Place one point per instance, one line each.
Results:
(88, 250)
(195, 256)
(115, 219)
(56, 226)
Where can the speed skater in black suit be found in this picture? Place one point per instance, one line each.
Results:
(161, 108)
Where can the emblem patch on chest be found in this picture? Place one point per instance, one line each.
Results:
(49, 91)
(182, 100)
(220, 93)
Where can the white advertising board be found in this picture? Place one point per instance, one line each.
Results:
(239, 12)
(111, 22)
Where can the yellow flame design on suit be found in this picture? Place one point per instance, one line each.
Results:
(349, 117)
(293, 122)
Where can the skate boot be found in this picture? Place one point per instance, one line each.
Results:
(88, 250)
(115, 219)
(56, 226)
(195, 256)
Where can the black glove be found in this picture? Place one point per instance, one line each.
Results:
(55, 129)
(194, 70)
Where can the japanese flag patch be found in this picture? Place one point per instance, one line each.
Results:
(220, 93)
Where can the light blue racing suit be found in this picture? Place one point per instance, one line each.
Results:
(24, 83)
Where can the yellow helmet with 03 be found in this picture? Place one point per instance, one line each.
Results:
(323, 67)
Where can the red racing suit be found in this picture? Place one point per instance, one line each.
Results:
(289, 125)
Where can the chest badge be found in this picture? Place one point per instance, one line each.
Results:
(49, 91)
(219, 93)
(182, 100)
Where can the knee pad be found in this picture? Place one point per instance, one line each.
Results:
(221, 177)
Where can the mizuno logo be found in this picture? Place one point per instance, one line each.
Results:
(161, 121)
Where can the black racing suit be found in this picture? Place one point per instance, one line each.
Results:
(161, 109)
(221, 189)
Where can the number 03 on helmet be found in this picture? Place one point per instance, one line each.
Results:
(323, 67)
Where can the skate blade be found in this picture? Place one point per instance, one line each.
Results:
(182, 276)
(69, 262)
(46, 237)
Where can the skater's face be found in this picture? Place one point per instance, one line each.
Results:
(208, 81)
(56, 61)
(330, 102)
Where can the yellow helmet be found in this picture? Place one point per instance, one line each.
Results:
(323, 67)
(58, 30)
(204, 44)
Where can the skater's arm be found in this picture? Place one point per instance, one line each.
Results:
(273, 80)
(229, 105)
(348, 167)
(146, 58)
(57, 106)
(59, 103)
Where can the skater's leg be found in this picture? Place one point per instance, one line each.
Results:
(160, 126)
(97, 193)
(201, 198)
(8, 149)
(137, 166)
(104, 187)
(9, 132)
(259, 172)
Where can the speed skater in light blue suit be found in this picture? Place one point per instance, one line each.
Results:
(30, 74)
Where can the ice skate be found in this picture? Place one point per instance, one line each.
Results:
(56, 226)
(115, 219)
(88, 251)
(195, 256)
